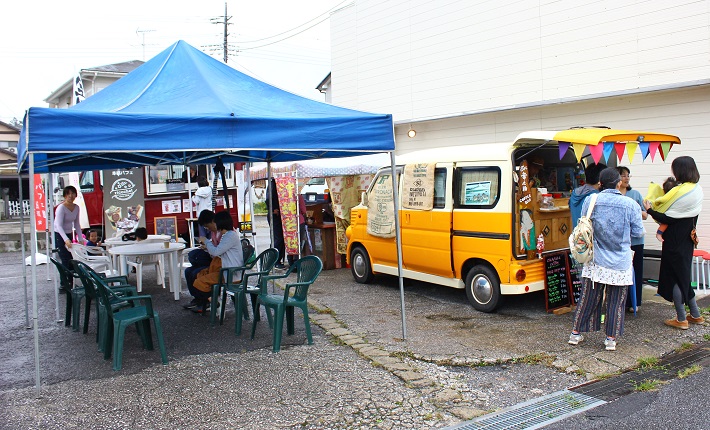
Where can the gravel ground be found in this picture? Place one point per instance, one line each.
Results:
(359, 373)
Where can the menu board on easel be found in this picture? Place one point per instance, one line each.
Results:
(557, 281)
(575, 276)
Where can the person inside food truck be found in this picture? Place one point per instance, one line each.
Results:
(193, 175)
(535, 166)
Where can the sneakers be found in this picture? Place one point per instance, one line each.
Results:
(610, 344)
(280, 266)
(683, 325)
(574, 339)
(203, 307)
(692, 319)
(193, 304)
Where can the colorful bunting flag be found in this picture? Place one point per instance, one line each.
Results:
(563, 147)
(620, 147)
(608, 147)
(654, 149)
(665, 149)
(578, 150)
(631, 150)
(644, 149)
(596, 151)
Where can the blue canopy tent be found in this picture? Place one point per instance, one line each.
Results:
(184, 107)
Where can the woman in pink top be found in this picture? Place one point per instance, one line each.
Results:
(66, 216)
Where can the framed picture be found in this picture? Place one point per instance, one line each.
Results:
(166, 225)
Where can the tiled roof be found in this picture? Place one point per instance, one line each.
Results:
(124, 67)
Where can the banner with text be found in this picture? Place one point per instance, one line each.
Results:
(123, 200)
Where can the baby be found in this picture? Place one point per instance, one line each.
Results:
(668, 185)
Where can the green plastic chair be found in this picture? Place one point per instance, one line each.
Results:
(307, 268)
(119, 284)
(238, 291)
(74, 296)
(227, 275)
(140, 314)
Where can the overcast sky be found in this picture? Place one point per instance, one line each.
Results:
(44, 43)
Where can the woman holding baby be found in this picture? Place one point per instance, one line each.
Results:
(679, 210)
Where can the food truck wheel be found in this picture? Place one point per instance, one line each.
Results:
(360, 265)
(483, 288)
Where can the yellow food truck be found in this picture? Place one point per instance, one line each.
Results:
(481, 216)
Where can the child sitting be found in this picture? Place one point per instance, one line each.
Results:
(668, 185)
(93, 238)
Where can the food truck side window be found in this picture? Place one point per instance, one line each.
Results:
(439, 188)
(477, 187)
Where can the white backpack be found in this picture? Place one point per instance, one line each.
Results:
(581, 241)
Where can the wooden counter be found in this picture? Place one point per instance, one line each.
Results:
(323, 244)
(555, 225)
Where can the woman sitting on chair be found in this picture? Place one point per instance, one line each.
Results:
(227, 254)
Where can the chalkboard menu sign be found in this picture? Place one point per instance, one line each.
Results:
(575, 276)
(557, 281)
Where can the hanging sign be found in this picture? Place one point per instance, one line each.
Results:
(40, 205)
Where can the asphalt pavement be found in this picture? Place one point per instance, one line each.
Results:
(455, 363)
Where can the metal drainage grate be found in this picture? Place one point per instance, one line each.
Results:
(667, 369)
(535, 413)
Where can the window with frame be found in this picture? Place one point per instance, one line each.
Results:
(439, 188)
(478, 187)
(86, 182)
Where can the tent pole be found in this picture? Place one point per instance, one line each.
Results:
(50, 246)
(33, 260)
(298, 216)
(190, 228)
(398, 233)
(22, 241)
(268, 196)
(47, 200)
(247, 195)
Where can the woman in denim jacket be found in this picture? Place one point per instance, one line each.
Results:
(616, 220)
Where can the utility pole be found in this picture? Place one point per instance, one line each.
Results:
(226, 22)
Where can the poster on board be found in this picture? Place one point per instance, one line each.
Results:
(123, 200)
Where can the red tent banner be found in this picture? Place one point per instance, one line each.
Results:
(40, 204)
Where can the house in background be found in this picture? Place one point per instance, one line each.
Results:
(9, 187)
(326, 88)
(480, 72)
(94, 79)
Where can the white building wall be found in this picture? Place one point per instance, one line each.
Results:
(420, 59)
(467, 72)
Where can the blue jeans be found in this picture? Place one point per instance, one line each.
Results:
(190, 276)
(199, 258)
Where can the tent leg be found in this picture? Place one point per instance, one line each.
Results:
(395, 196)
(24, 266)
(33, 256)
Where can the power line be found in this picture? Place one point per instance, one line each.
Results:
(285, 38)
(298, 26)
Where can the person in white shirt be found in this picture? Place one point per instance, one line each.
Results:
(66, 217)
(203, 200)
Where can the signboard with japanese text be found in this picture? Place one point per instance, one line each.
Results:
(40, 204)
(123, 200)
